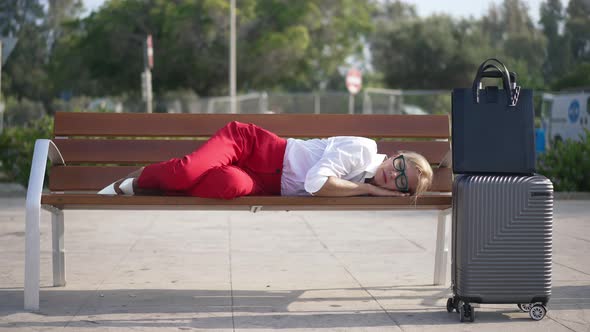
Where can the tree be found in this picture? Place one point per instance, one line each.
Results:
(290, 45)
(59, 12)
(558, 52)
(17, 14)
(26, 71)
(24, 75)
(577, 27)
(301, 45)
(432, 53)
(102, 54)
(516, 41)
(577, 78)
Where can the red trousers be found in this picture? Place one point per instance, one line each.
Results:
(238, 160)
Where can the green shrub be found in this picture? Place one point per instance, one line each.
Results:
(567, 164)
(17, 145)
(20, 112)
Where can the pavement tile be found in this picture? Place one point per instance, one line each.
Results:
(316, 321)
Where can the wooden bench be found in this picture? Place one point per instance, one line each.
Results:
(91, 150)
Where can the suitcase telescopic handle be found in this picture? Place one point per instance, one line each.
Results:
(511, 92)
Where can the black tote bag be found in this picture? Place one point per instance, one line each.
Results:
(493, 129)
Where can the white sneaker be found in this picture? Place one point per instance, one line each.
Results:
(126, 187)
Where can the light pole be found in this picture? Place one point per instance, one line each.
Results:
(232, 57)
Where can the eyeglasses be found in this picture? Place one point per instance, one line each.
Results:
(401, 181)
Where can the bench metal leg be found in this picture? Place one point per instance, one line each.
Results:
(32, 257)
(441, 258)
(59, 257)
(44, 149)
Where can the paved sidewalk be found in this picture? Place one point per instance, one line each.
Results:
(293, 271)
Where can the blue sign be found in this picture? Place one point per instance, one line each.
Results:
(540, 140)
(573, 112)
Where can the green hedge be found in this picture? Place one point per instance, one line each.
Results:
(567, 164)
(17, 145)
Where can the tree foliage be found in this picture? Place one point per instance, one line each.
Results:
(281, 44)
(558, 56)
(26, 72)
(431, 53)
(577, 28)
(299, 45)
(577, 78)
(567, 164)
(441, 52)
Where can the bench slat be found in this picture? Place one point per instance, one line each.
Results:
(77, 151)
(86, 201)
(285, 125)
(80, 178)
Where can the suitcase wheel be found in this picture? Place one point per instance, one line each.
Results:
(525, 307)
(538, 311)
(451, 305)
(466, 312)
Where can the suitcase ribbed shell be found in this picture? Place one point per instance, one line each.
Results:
(502, 238)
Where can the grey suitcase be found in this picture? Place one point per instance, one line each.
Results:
(502, 242)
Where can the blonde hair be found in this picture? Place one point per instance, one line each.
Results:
(425, 173)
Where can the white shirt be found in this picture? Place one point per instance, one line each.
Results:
(308, 163)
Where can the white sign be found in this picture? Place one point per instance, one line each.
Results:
(354, 81)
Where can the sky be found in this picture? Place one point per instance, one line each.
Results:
(466, 8)
(456, 8)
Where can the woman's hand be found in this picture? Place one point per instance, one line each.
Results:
(336, 187)
(378, 191)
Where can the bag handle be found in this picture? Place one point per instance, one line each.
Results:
(503, 73)
(497, 74)
(500, 71)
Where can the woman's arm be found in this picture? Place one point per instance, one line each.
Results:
(337, 187)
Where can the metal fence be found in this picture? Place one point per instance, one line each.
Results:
(371, 101)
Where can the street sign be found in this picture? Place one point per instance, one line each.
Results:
(8, 44)
(354, 81)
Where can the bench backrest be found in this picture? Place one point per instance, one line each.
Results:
(99, 148)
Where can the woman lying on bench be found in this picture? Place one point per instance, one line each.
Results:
(246, 160)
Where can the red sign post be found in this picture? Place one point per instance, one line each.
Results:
(146, 76)
(354, 83)
(150, 52)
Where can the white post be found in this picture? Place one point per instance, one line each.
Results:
(148, 90)
(316, 103)
(232, 57)
(441, 257)
(391, 104)
(59, 259)
(367, 104)
(351, 104)
(263, 103)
